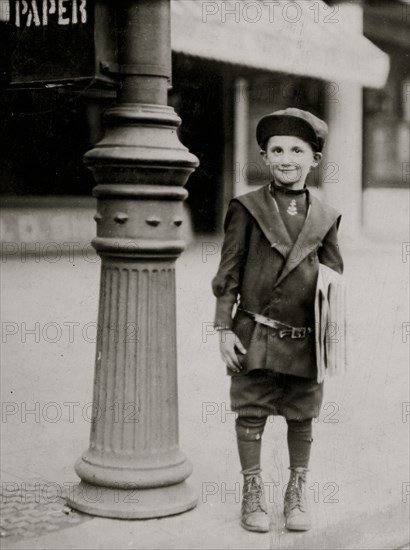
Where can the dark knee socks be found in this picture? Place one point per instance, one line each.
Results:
(249, 430)
(299, 442)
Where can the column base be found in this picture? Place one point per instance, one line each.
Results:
(132, 503)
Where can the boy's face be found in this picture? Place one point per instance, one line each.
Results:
(290, 160)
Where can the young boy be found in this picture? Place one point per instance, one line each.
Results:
(275, 238)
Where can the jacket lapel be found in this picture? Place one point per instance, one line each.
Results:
(318, 221)
(262, 207)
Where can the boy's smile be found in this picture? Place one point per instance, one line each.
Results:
(290, 160)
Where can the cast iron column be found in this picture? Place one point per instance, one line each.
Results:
(134, 467)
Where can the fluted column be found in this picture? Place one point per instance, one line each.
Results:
(134, 467)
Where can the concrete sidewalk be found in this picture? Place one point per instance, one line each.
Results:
(359, 486)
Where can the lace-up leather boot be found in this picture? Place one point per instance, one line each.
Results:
(254, 515)
(296, 513)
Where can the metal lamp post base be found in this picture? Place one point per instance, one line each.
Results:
(133, 467)
(132, 503)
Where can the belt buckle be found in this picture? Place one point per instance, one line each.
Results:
(298, 333)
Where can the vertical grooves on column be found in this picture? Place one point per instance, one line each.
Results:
(166, 355)
(112, 358)
(161, 359)
(144, 372)
(138, 360)
(160, 375)
(119, 369)
(99, 426)
(170, 345)
(164, 327)
(106, 357)
(168, 296)
(102, 409)
(173, 370)
(161, 351)
(131, 366)
(137, 342)
(98, 400)
(135, 364)
(158, 312)
(152, 363)
(123, 343)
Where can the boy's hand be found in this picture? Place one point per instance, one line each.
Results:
(227, 343)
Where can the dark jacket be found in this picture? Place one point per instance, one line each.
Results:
(264, 272)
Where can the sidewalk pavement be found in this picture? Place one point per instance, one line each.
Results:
(359, 486)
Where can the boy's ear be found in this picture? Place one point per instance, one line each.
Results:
(263, 154)
(317, 159)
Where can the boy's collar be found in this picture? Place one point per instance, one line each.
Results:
(273, 187)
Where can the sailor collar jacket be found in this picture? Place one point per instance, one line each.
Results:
(264, 272)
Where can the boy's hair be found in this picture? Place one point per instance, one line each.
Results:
(292, 122)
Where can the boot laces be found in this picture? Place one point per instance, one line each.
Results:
(253, 494)
(295, 497)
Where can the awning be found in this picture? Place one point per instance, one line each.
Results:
(301, 37)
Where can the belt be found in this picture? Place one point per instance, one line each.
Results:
(294, 332)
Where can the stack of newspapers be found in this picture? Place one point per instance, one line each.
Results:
(331, 325)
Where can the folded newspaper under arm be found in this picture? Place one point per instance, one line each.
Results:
(330, 323)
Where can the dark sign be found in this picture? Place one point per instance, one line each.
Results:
(58, 40)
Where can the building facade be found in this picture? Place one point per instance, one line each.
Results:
(232, 63)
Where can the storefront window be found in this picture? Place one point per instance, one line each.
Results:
(387, 134)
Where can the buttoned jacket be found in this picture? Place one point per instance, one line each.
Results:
(263, 271)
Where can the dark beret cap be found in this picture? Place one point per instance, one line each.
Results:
(292, 122)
